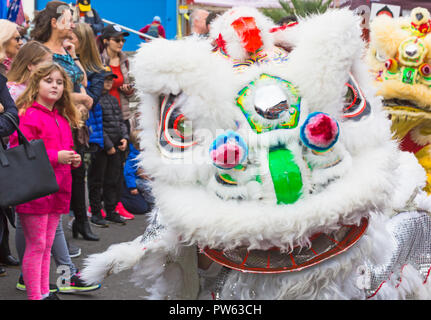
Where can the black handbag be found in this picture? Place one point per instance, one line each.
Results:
(25, 171)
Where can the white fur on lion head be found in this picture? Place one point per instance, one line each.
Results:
(223, 26)
(327, 50)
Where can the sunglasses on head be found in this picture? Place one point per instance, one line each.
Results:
(118, 40)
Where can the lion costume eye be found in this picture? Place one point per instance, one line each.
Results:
(425, 69)
(355, 104)
(175, 131)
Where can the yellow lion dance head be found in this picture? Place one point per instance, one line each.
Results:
(399, 57)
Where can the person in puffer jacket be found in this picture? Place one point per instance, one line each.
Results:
(136, 195)
(105, 171)
(95, 128)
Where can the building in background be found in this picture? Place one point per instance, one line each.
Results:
(175, 14)
(134, 14)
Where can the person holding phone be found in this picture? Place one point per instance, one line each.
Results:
(113, 40)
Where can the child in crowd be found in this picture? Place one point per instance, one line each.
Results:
(30, 56)
(46, 112)
(136, 197)
(104, 173)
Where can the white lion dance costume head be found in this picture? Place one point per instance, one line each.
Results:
(277, 167)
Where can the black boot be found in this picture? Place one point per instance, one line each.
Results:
(6, 258)
(83, 227)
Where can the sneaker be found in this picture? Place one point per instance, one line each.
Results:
(51, 296)
(3, 272)
(77, 285)
(98, 221)
(89, 214)
(74, 251)
(123, 212)
(21, 286)
(116, 218)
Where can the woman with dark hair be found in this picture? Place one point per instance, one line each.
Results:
(113, 38)
(53, 27)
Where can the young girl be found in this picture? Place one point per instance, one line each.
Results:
(46, 112)
(28, 58)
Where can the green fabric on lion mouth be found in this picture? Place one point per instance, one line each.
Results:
(286, 176)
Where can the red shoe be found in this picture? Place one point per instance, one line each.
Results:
(123, 212)
(102, 211)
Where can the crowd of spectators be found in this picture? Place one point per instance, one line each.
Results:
(64, 77)
(66, 81)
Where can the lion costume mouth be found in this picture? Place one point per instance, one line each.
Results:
(406, 110)
(322, 246)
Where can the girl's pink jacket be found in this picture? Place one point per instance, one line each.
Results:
(40, 123)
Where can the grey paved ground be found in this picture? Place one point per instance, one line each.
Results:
(115, 287)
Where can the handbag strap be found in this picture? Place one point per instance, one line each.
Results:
(21, 140)
(4, 162)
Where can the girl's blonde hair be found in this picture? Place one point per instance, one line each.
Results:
(64, 105)
(88, 53)
(7, 31)
(32, 53)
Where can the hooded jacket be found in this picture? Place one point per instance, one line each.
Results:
(39, 122)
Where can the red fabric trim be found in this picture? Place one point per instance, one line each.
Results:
(281, 28)
(426, 278)
(377, 290)
(407, 144)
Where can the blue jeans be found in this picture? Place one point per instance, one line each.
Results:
(144, 188)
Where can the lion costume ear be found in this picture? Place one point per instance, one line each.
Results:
(325, 49)
(170, 67)
(386, 36)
